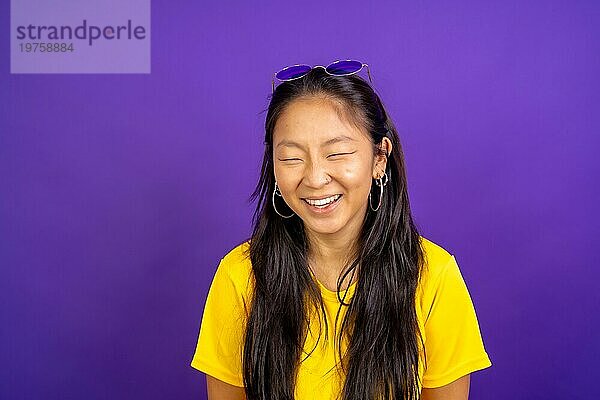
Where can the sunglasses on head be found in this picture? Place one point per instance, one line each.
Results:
(336, 68)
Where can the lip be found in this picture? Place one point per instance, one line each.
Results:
(320, 198)
(323, 211)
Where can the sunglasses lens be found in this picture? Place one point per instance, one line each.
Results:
(344, 67)
(292, 72)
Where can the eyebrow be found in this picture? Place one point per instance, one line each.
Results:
(340, 138)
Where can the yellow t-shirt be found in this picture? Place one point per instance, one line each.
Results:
(445, 312)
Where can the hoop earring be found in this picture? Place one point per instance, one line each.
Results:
(381, 183)
(278, 193)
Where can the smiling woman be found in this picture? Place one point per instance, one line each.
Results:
(336, 294)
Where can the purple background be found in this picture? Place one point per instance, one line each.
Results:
(120, 193)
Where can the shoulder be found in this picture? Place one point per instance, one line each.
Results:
(236, 265)
(436, 263)
(436, 258)
(237, 256)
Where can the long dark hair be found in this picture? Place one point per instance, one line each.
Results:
(380, 324)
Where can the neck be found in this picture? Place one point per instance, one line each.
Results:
(326, 249)
(330, 255)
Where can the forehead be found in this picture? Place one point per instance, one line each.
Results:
(315, 121)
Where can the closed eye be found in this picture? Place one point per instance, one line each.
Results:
(289, 159)
(340, 154)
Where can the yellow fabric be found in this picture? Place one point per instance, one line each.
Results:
(446, 315)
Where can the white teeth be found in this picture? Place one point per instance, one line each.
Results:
(323, 202)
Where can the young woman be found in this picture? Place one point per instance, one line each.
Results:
(336, 295)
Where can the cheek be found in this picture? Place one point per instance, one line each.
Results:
(287, 178)
(356, 175)
(353, 175)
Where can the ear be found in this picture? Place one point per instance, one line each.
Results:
(385, 149)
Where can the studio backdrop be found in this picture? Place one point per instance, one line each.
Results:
(127, 160)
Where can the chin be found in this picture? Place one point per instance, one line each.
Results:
(325, 227)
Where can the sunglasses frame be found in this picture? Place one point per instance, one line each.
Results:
(363, 65)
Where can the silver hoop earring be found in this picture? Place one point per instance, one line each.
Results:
(278, 193)
(381, 183)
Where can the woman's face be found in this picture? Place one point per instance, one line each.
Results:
(324, 167)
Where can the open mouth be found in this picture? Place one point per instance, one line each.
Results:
(325, 203)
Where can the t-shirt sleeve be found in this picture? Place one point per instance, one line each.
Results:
(453, 343)
(220, 342)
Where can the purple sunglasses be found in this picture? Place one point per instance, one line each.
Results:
(337, 68)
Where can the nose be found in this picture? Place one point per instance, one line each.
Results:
(316, 175)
